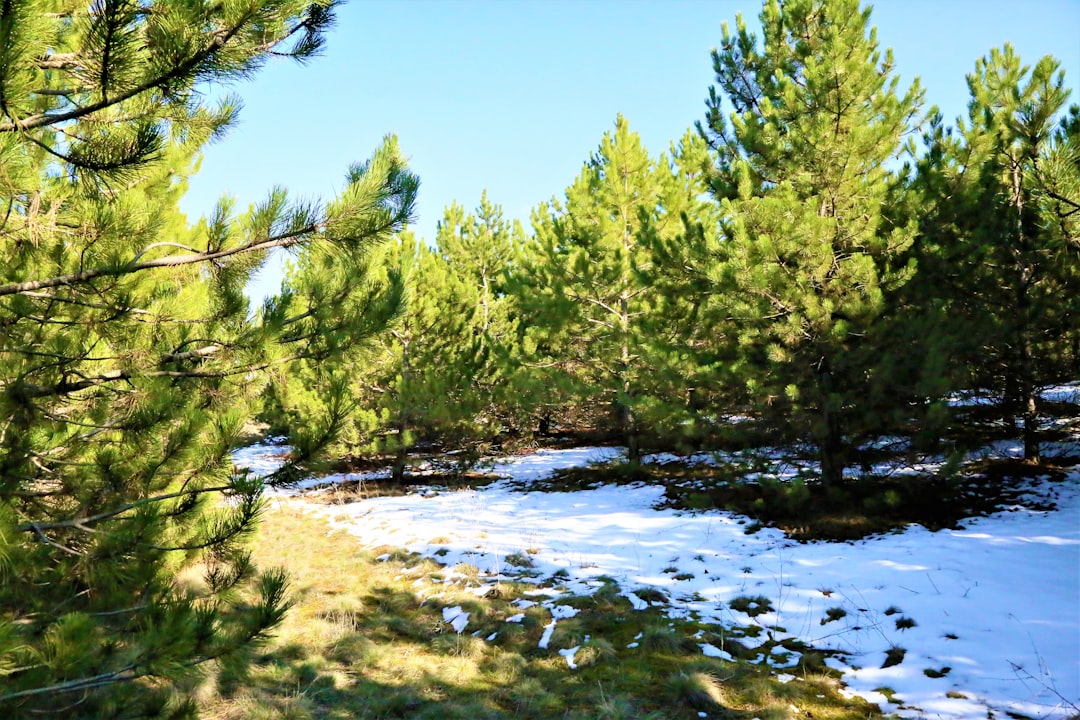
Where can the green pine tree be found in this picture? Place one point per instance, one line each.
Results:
(584, 306)
(431, 393)
(802, 174)
(129, 360)
(432, 376)
(999, 253)
(686, 329)
(481, 250)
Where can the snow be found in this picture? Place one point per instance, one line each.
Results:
(457, 618)
(1069, 392)
(545, 638)
(992, 609)
(712, 651)
(560, 612)
(569, 653)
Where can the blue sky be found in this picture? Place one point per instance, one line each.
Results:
(514, 95)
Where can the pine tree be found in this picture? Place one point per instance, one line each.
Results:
(999, 250)
(393, 393)
(801, 175)
(430, 396)
(481, 251)
(686, 328)
(339, 390)
(432, 375)
(129, 360)
(583, 304)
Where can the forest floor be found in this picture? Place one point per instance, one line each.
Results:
(561, 585)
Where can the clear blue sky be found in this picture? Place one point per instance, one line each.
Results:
(514, 95)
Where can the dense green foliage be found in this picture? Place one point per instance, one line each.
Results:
(782, 263)
(802, 181)
(587, 314)
(129, 357)
(800, 261)
(998, 249)
(435, 375)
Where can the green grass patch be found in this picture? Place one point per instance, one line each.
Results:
(905, 623)
(894, 656)
(752, 606)
(833, 614)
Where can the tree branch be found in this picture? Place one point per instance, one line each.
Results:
(218, 41)
(123, 674)
(83, 523)
(287, 240)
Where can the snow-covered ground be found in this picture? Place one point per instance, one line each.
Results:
(989, 615)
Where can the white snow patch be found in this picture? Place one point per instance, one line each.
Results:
(546, 637)
(457, 618)
(715, 652)
(560, 612)
(995, 601)
(569, 653)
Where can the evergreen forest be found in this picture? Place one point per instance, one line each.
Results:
(820, 261)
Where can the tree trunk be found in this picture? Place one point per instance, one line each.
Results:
(1024, 277)
(832, 435)
(1032, 444)
(832, 452)
(401, 458)
(1076, 352)
(1012, 401)
(629, 432)
(627, 422)
(1029, 412)
(485, 292)
(401, 455)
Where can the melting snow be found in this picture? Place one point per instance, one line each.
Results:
(993, 609)
(546, 637)
(713, 651)
(457, 618)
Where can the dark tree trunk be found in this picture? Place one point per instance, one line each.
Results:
(630, 434)
(397, 472)
(832, 432)
(832, 453)
(1076, 353)
(1029, 412)
(401, 456)
(1025, 370)
(627, 421)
